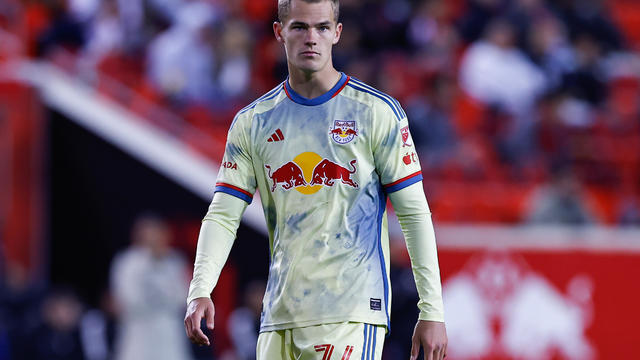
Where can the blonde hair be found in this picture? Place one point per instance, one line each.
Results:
(284, 6)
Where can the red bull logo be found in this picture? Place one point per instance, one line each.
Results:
(343, 131)
(309, 172)
(289, 174)
(496, 303)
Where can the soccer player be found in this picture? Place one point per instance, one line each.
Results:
(325, 150)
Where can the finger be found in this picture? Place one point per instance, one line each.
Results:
(444, 350)
(187, 327)
(195, 334)
(200, 337)
(428, 353)
(439, 353)
(415, 348)
(209, 312)
(188, 324)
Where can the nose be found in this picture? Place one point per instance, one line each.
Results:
(310, 38)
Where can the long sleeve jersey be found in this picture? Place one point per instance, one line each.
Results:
(324, 168)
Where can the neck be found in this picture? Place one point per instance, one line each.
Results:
(313, 84)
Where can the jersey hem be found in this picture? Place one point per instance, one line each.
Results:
(338, 319)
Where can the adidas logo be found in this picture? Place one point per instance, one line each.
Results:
(276, 136)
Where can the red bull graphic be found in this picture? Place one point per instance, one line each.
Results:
(498, 307)
(343, 131)
(289, 174)
(309, 172)
(327, 172)
(540, 293)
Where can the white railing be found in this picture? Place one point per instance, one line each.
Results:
(151, 144)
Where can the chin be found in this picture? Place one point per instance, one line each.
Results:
(307, 69)
(309, 66)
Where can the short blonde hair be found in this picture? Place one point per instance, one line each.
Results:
(284, 6)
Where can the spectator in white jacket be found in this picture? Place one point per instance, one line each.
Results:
(149, 283)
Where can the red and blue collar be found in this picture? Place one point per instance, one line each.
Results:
(335, 90)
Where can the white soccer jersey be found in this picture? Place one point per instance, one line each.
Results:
(324, 167)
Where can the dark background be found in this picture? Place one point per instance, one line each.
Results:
(96, 191)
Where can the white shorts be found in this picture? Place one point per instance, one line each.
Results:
(340, 341)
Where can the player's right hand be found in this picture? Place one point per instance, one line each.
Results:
(196, 310)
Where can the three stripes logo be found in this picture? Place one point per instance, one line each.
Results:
(276, 136)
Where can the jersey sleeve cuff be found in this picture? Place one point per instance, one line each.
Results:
(234, 191)
(403, 183)
(431, 316)
(198, 293)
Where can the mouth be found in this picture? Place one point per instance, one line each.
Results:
(309, 53)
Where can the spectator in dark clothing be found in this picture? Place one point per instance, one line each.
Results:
(19, 312)
(431, 124)
(561, 202)
(478, 15)
(58, 338)
(524, 14)
(591, 18)
(98, 329)
(244, 322)
(64, 31)
(550, 49)
(402, 311)
(587, 81)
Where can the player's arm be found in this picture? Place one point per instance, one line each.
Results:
(234, 191)
(412, 210)
(217, 234)
(413, 213)
(399, 170)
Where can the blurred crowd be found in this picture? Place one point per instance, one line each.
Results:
(139, 315)
(504, 97)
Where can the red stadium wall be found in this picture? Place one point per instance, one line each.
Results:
(21, 176)
(517, 299)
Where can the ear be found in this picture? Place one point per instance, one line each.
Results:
(277, 30)
(336, 38)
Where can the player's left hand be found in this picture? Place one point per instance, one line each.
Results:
(432, 336)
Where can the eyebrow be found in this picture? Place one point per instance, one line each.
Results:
(300, 23)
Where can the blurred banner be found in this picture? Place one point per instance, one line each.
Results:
(541, 293)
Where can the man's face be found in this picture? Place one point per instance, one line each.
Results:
(308, 34)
